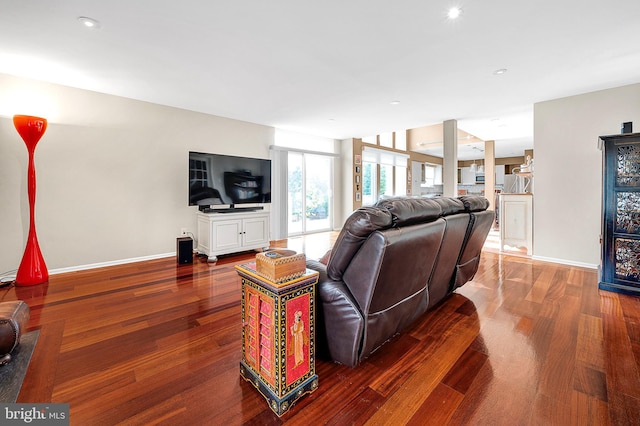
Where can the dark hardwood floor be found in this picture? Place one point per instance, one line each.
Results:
(524, 343)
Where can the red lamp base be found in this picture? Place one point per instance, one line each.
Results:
(32, 268)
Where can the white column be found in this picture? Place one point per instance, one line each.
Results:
(450, 160)
(490, 172)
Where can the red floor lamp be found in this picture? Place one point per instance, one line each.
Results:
(32, 268)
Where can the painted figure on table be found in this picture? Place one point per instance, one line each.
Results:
(299, 337)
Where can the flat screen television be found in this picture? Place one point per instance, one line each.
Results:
(226, 180)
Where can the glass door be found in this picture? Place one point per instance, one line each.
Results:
(310, 192)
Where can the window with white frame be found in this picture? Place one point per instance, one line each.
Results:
(383, 174)
(429, 175)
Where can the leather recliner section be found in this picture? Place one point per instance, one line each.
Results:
(469, 260)
(390, 263)
(389, 285)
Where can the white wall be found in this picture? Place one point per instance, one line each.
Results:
(346, 168)
(568, 170)
(111, 173)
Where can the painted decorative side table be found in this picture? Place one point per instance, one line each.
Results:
(278, 336)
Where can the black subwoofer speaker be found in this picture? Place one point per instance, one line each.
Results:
(184, 250)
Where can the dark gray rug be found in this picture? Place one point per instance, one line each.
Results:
(12, 374)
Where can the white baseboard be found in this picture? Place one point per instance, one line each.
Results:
(565, 262)
(111, 263)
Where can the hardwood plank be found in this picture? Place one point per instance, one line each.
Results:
(438, 408)
(494, 398)
(581, 410)
(590, 348)
(589, 411)
(462, 374)
(623, 380)
(590, 382)
(557, 379)
(361, 407)
(541, 286)
(39, 381)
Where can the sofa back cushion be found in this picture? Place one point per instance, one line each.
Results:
(407, 211)
(474, 203)
(354, 233)
(449, 205)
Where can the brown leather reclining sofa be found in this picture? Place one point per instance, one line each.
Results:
(391, 263)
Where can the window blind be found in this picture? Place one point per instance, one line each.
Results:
(382, 156)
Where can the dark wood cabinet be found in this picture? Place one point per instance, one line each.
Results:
(620, 262)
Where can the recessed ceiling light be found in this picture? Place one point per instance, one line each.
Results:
(89, 22)
(454, 13)
(395, 102)
(500, 71)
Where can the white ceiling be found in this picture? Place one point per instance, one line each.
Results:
(332, 68)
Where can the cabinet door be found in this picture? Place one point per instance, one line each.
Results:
(516, 224)
(226, 235)
(256, 232)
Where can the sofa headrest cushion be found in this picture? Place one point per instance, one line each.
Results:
(407, 211)
(449, 205)
(474, 203)
(354, 233)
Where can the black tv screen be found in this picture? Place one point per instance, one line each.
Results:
(216, 179)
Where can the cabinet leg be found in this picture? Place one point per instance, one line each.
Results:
(212, 259)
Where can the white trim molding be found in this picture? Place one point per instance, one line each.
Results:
(110, 263)
(565, 262)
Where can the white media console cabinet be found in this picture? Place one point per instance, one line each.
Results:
(225, 233)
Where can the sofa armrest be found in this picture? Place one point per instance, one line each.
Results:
(339, 323)
(316, 265)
